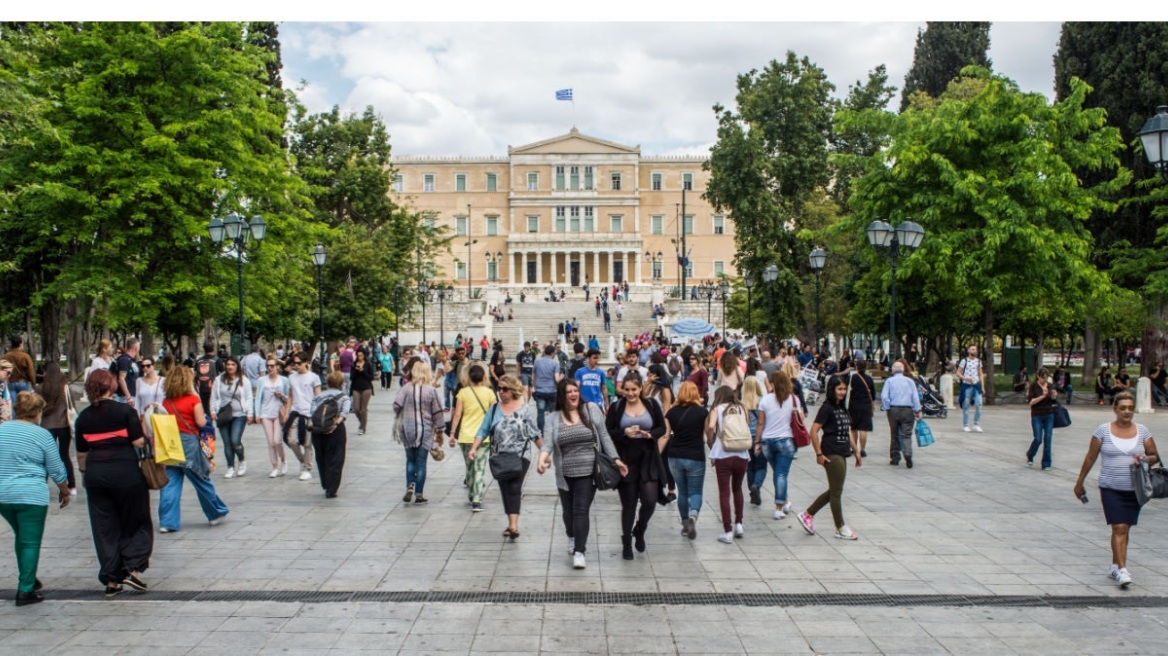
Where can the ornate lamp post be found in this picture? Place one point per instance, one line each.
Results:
(655, 263)
(318, 258)
(444, 292)
(397, 292)
(723, 294)
(496, 259)
(892, 242)
(769, 276)
(423, 291)
(1154, 136)
(237, 232)
(706, 291)
(818, 258)
(748, 282)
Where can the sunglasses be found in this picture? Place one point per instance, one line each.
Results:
(147, 364)
(272, 364)
(1125, 408)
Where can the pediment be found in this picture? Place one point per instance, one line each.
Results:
(574, 143)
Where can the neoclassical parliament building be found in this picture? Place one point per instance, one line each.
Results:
(569, 210)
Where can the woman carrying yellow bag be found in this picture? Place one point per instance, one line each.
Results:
(167, 442)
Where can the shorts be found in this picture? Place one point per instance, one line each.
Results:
(525, 379)
(1120, 506)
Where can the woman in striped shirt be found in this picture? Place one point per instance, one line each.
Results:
(28, 454)
(1121, 443)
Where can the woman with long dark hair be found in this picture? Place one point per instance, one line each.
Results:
(832, 451)
(231, 408)
(55, 418)
(636, 426)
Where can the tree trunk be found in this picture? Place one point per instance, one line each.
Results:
(1039, 347)
(988, 351)
(50, 318)
(76, 349)
(147, 339)
(1091, 347)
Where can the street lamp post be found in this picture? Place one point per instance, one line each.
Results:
(818, 258)
(1154, 136)
(318, 258)
(397, 292)
(723, 294)
(655, 264)
(748, 282)
(769, 276)
(443, 294)
(423, 290)
(237, 233)
(496, 259)
(891, 242)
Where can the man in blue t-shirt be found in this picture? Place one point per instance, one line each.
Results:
(547, 375)
(591, 380)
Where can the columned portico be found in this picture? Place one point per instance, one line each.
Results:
(592, 257)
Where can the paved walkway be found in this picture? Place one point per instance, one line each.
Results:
(969, 552)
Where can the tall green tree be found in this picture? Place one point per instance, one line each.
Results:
(990, 173)
(942, 50)
(771, 157)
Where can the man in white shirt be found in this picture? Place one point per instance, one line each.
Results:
(972, 376)
(304, 385)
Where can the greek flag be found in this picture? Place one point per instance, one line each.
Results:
(564, 94)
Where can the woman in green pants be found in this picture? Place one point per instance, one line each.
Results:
(832, 452)
(28, 454)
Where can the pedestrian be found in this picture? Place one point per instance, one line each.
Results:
(28, 455)
(418, 409)
(1105, 384)
(859, 401)
(685, 443)
(55, 419)
(700, 376)
(115, 489)
(361, 388)
(151, 391)
(972, 376)
(510, 427)
(305, 386)
(385, 359)
(727, 416)
(1042, 397)
(901, 402)
(187, 407)
(23, 368)
(330, 445)
(231, 409)
(832, 450)
(547, 375)
(343, 360)
(1121, 443)
(635, 426)
(273, 402)
(104, 357)
(470, 408)
(497, 369)
(776, 442)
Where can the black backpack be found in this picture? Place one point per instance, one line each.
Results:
(577, 364)
(324, 417)
(205, 371)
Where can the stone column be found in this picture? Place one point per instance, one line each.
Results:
(638, 265)
(538, 268)
(611, 269)
(555, 267)
(511, 268)
(595, 267)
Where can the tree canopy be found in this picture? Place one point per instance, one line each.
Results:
(942, 50)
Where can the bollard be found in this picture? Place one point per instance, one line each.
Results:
(947, 391)
(1144, 396)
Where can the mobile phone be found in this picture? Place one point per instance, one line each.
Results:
(1083, 497)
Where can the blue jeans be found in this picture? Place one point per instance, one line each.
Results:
(756, 471)
(780, 453)
(416, 467)
(970, 396)
(170, 498)
(1043, 428)
(544, 402)
(690, 476)
(232, 435)
(16, 387)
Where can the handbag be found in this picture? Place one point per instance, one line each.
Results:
(167, 444)
(505, 466)
(799, 430)
(924, 434)
(605, 476)
(1149, 483)
(1062, 416)
(70, 411)
(437, 453)
(152, 471)
(226, 412)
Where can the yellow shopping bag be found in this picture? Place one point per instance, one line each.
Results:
(168, 448)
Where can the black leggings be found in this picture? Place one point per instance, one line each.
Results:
(512, 489)
(64, 438)
(630, 492)
(576, 502)
(386, 379)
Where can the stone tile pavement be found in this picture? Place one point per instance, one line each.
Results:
(969, 552)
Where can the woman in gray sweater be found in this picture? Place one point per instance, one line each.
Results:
(570, 439)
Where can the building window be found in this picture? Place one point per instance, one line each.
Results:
(460, 270)
(573, 177)
(689, 268)
(719, 268)
(492, 271)
(719, 225)
(429, 221)
(460, 226)
(574, 222)
(687, 181)
(656, 182)
(687, 222)
(460, 182)
(657, 223)
(657, 269)
(492, 226)
(588, 177)
(533, 181)
(616, 180)
(560, 221)
(615, 223)
(589, 220)
(560, 178)
(428, 182)
(492, 182)
(399, 183)
(533, 223)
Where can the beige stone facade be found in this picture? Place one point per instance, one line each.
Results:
(569, 210)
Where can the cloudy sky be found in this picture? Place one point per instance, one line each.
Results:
(477, 88)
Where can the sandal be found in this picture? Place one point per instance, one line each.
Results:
(510, 533)
(113, 591)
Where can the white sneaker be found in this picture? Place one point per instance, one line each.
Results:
(977, 429)
(305, 475)
(787, 507)
(1112, 572)
(283, 467)
(578, 560)
(845, 533)
(230, 473)
(728, 538)
(965, 428)
(1123, 578)
(242, 468)
(275, 473)
(215, 522)
(739, 531)
(779, 514)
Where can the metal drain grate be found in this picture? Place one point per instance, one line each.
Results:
(615, 598)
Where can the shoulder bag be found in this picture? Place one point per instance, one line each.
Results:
(1062, 416)
(152, 471)
(605, 476)
(798, 428)
(70, 411)
(505, 465)
(1149, 483)
(226, 413)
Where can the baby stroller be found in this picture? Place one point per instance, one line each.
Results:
(932, 405)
